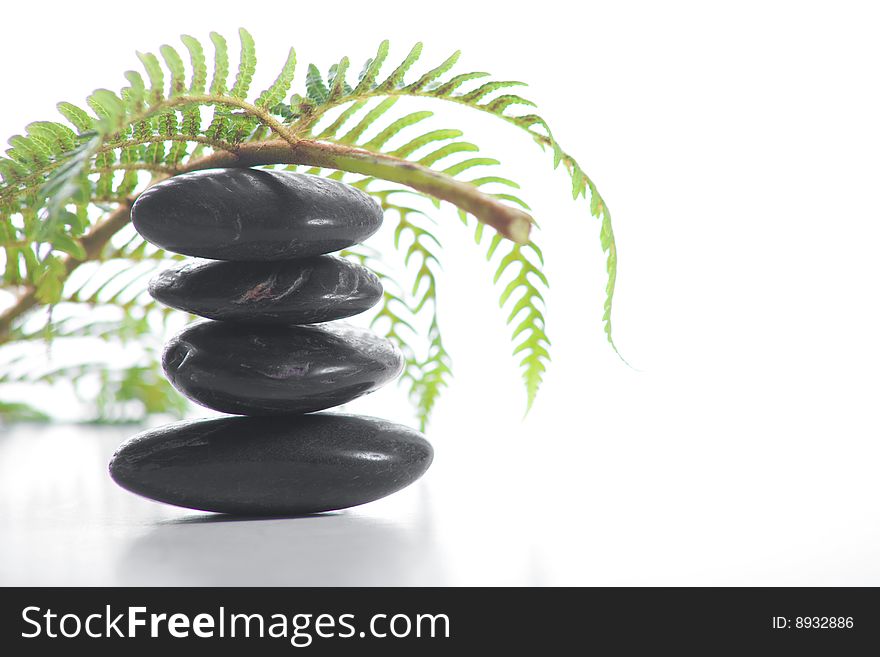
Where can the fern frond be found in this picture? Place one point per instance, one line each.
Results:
(336, 83)
(525, 302)
(77, 116)
(66, 187)
(246, 67)
(483, 98)
(352, 136)
(315, 88)
(426, 376)
(221, 64)
(377, 142)
(154, 72)
(276, 93)
(435, 73)
(395, 80)
(197, 62)
(367, 78)
(175, 66)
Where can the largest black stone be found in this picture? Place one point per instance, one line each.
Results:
(262, 369)
(272, 465)
(250, 214)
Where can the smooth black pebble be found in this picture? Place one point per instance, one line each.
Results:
(249, 369)
(303, 291)
(251, 214)
(272, 465)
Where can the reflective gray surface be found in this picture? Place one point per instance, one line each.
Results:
(65, 522)
(497, 507)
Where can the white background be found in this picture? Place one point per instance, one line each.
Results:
(737, 147)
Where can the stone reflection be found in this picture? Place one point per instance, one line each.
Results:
(336, 549)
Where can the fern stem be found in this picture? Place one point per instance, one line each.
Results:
(509, 221)
(289, 149)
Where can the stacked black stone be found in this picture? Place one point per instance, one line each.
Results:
(265, 354)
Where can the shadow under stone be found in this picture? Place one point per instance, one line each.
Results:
(208, 518)
(329, 549)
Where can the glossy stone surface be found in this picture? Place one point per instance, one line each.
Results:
(272, 465)
(251, 369)
(250, 214)
(302, 291)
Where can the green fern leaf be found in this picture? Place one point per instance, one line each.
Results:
(247, 65)
(11, 171)
(396, 78)
(276, 93)
(331, 130)
(60, 138)
(135, 94)
(78, 117)
(482, 91)
(221, 64)
(175, 65)
(470, 163)
(50, 280)
(528, 306)
(499, 104)
(367, 78)
(352, 136)
(485, 180)
(157, 77)
(377, 142)
(109, 108)
(447, 88)
(432, 158)
(434, 73)
(197, 61)
(423, 140)
(315, 87)
(338, 87)
(66, 181)
(69, 245)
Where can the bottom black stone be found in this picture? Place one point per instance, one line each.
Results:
(272, 465)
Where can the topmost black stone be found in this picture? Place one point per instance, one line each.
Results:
(251, 214)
